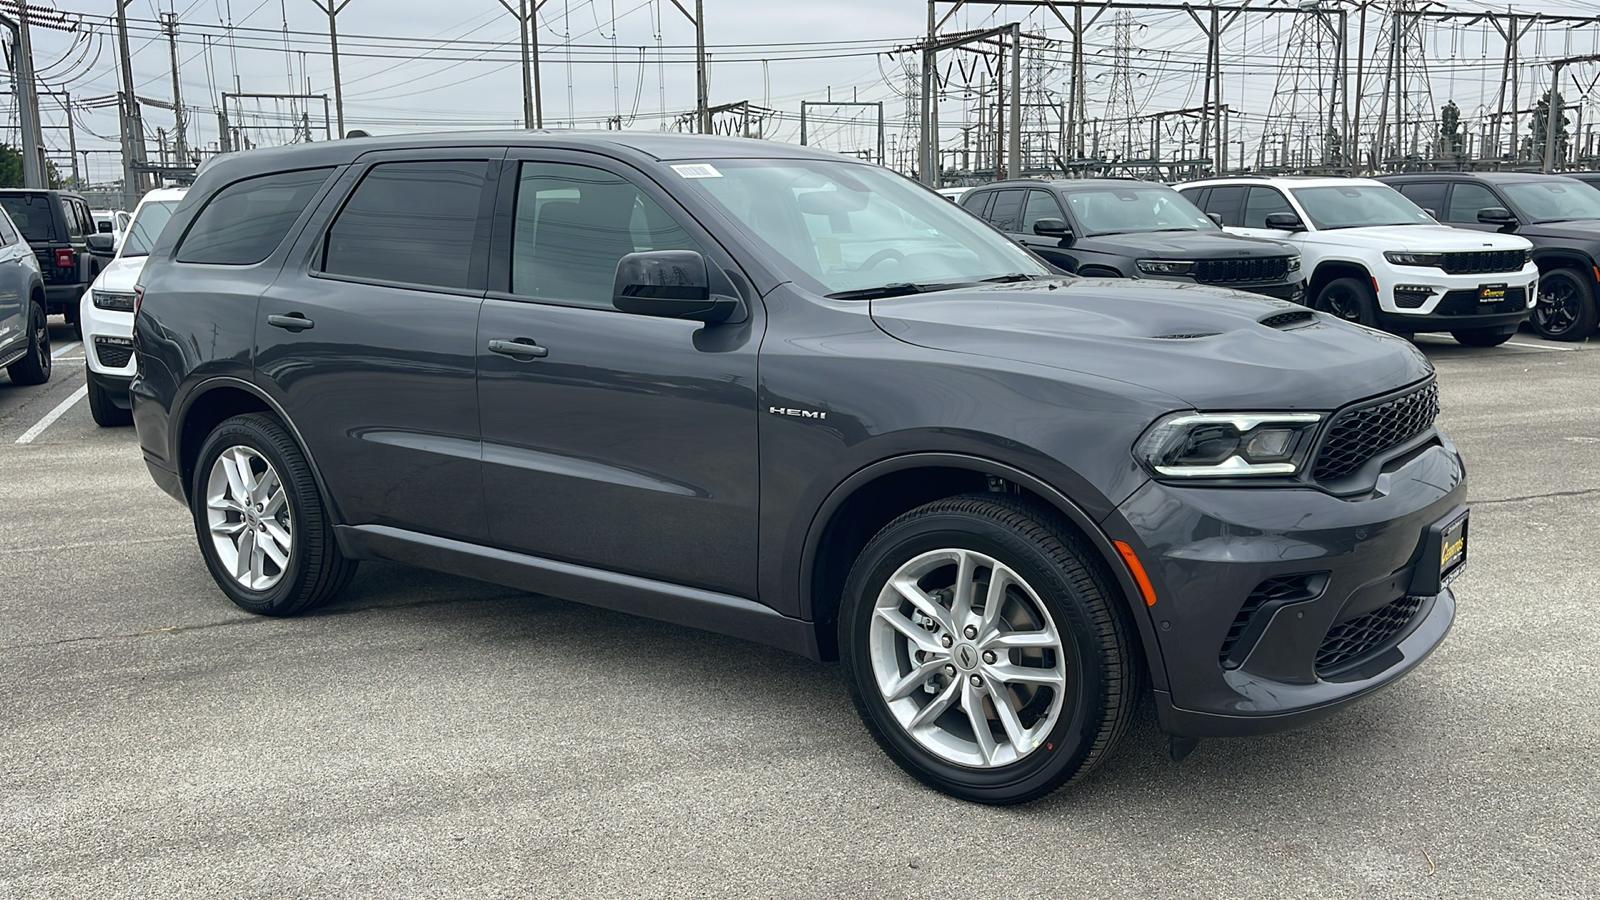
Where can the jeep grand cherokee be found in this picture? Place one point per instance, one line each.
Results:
(796, 398)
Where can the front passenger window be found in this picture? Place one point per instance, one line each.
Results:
(1465, 201)
(574, 223)
(1263, 202)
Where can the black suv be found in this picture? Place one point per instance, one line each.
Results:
(799, 399)
(1560, 215)
(1118, 228)
(57, 225)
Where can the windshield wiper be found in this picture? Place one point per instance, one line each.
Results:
(897, 289)
(1009, 278)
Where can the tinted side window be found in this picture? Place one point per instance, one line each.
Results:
(1260, 203)
(1466, 199)
(70, 214)
(412, 222)
(1227, 203)
(8, 233)
(977, 202)
(574, 223)
(1041, 205)
(1007, 210)
(1427, 194)
(244, 222)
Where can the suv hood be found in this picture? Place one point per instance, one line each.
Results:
(1183, 245)
(1418, 238)
(1574, 230)
(1202, 345)
(121, 275)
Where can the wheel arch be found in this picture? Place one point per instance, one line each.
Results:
(1564, 258)
(875, 495)
(222, 398)
(1332, 270)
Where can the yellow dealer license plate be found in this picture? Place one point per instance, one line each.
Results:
(1453, 550)
(1491, 293)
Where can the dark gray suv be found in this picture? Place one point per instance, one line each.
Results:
(796, 398)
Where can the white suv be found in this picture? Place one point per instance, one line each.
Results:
(1374, 257)
(106, 311)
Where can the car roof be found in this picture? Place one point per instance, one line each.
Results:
(1490, 177)
(172, 193)
(1281, 181)
(1073, 183)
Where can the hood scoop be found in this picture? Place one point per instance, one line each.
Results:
(1185, 337)
(1289, 319)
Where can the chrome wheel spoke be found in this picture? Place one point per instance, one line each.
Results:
(961, 605)
(1006, 673)
(935, 707)
(246, 513)
(246, 546)
(972, 703)
(924, 604)
(914, 679)
(1009, 720)
(275, 543)
(912, 632)
(1021, 640)
(226, 529)
(999, 578)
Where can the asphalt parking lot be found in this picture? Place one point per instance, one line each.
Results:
(432, 736)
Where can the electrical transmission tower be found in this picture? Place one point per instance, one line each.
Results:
(1303, 128)
(1404, 113)
(1119, 93)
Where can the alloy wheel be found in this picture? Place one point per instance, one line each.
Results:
(1344, 304)
(967, 658)
(248, 515)
(1556, 309)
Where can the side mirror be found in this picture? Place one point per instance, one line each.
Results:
(102, 244)
(104, 228)
(670, 284)
(1051, 228)
(1496, 215)
(1285, 221)
(1215, 217)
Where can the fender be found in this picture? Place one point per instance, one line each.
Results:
(202, 388)
(1059, 501)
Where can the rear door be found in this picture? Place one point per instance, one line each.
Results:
(618, 441)
(14, 283)
(367, 338)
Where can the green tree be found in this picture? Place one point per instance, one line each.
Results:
(1450, 129)
(11, 169)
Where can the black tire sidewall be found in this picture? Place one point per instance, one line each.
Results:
(1365, 297)
(256, 433)
(1073, 736)
(1584, 323)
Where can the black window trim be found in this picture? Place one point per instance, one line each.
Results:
(345, 188)
(505, 213)
(290, 238)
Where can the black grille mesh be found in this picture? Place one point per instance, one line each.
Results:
(1292, 317)
(1285, 587)
(1358, 435)
(1348, 641)
(1231, 271)
(1465, 303)
(112, 356)
(1482, 261)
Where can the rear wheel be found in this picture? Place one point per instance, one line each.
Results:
(1351, 299)
(983, 649)
(34, 366)
(106, 413)
(1483, 337)
(263, 530)
(1565, 308)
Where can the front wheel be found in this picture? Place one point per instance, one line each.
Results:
(1565, 308)
(984, 651)
(263, 530)
(1351, 299)
(34, 366)
(1483, 337)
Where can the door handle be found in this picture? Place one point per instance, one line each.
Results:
(294, 322)
(522, 349)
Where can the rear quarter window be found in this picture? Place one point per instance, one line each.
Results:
(244, 222)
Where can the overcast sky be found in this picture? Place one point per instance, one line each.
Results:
(413, 83)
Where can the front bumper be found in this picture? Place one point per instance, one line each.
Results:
(1451, 302)
(115, 388)
(1237, 664)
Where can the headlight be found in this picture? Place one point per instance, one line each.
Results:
(114, 300)
(1527, 257)
(1224, 445)
(1165, 266)
(1401, 258)
(1294, 264)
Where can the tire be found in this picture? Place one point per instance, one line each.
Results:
(70, 316)
(106, 413)
(1350, 299)
(34, 366)
(1482, 337)
(1077, 682)
(1565, 309)
(273, 582)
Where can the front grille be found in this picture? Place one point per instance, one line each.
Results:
(1482, 261)
(1285, 319)
(1359, 434)
(1236, 271)
(1465, 303)
(1284, 587)
(1347, 642)
(112, 355)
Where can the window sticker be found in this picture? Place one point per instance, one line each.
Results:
(696, 170)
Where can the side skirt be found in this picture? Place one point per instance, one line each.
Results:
(690, 607)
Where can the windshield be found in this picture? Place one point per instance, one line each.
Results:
(1545, 201)
(1358, 206)
(850, 227)
(1120, 210)
(146, 227)
(32, 215)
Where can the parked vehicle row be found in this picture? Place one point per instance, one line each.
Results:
(57, 226)
(24, 332)
(794, 397)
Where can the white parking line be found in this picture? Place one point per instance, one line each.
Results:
(1540, 347)
(51, 416)
(69, 345)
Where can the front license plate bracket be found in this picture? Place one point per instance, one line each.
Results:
(1443, 556)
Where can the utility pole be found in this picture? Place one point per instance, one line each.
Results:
(526, 13)
(33, 170)
(180, 145)
(928, 147)
(702, 88)
(1014, 137)
(1552, 109)
(133, 149)
(333, 8)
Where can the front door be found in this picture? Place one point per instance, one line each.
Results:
(14, 285)
(617, 441)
